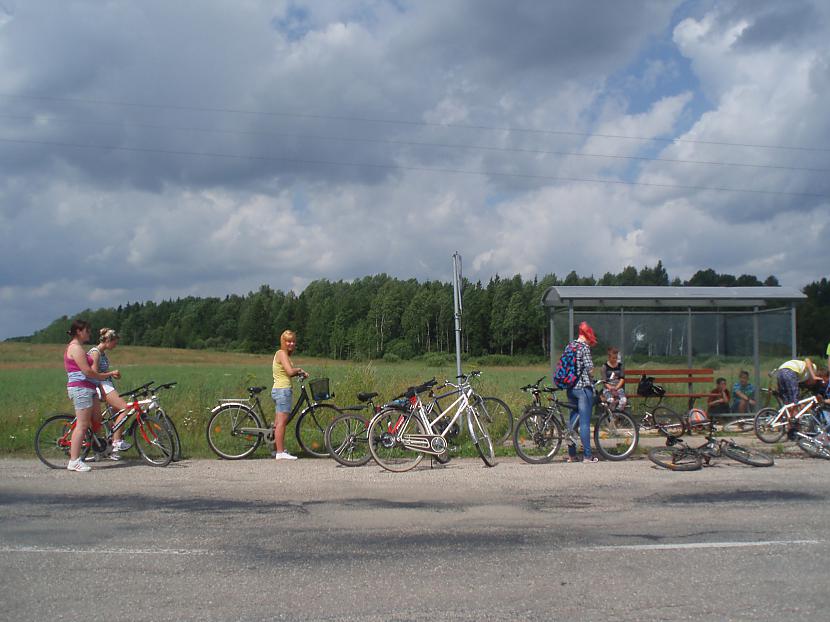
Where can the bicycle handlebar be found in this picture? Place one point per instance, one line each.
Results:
(142, 389)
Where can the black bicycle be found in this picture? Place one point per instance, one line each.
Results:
(676, 455)
(539, 433)
(238, 426)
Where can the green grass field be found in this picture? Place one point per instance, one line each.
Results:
(32, 386)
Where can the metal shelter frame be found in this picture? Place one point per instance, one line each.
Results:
(674, 300)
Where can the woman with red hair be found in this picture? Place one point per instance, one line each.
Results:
(581, 395)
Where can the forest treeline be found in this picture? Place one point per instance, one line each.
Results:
(380, 316)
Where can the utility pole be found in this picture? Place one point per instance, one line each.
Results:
(456, 290)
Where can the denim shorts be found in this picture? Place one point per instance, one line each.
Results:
(282, 398)
(81, 397)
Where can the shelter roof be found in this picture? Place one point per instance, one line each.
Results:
(665, 297)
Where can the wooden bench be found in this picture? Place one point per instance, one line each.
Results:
(686, 376)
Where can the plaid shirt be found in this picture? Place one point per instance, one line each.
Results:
(584, 365)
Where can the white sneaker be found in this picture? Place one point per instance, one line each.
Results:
(121, 445)
(284, 455)
(78, 465)
(114, 456)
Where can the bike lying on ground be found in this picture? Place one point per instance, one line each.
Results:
(676, 455)
(148, 430)
(238, 426)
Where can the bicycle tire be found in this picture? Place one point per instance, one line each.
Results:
(52, 440)
(747, 455)
(746, 424)
(153, 441)
(676, 458)
(174, 433)
(537, 436)
(813, 447)
(311, 428)
(481, 437)
(223, 436)
(497, 418)
(387, 451)
(347, 440)
(766, 428)
(615, 435)
(669, 422)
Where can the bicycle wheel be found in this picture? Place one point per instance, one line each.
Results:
(537, 436)
(481, 437)
(740, 425)
(615, 435)
(174, 433)
(814, 447)
(153, 441)
(769, 427)
(228, 432)
(347, 440)
(52, 441)
(311, 428)
(669, 422)
(752, 457)
(676, 458)
(496, 417)
(384, 440)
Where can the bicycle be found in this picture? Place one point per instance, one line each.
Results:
(238, 426)
(493, 412)
(657, 418)
(771, 425)
(150, 435)
(539, 433)
(676, 455)
(616, 434)
(160, 414)
(399, 438)
(347, 437)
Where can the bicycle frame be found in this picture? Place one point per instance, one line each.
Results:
(783, 415)
(253, 400)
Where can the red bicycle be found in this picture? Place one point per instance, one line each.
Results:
(149, 432)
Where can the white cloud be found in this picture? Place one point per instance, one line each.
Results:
(268, 93)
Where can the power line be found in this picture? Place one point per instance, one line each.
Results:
(404, 122)
(411, 143)
(406, 168)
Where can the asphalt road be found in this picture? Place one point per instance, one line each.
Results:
(262, 540)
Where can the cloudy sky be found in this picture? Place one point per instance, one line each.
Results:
(157, 149)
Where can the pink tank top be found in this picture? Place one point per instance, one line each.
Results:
(74, 376)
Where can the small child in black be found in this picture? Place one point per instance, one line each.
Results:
(613, 375)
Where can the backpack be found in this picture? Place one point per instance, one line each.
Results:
(566, 372)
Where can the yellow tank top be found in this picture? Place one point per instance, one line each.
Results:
(799, 367)
(281, 379)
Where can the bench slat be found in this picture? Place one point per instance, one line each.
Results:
(680, 380)
(672, 372)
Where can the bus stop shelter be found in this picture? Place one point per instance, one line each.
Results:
(659, 321)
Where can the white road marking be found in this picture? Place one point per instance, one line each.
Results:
(100, 551)
(699, 545)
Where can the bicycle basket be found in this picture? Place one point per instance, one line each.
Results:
(320, 389)
(647, 388)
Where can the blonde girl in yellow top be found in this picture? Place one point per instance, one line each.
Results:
(284, 370)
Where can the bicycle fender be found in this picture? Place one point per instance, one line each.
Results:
(223, 404)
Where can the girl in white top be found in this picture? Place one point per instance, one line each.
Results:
(100, 362)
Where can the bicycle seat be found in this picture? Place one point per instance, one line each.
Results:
(255, 390)
(365, 397)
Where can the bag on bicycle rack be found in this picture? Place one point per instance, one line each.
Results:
(647, 388)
